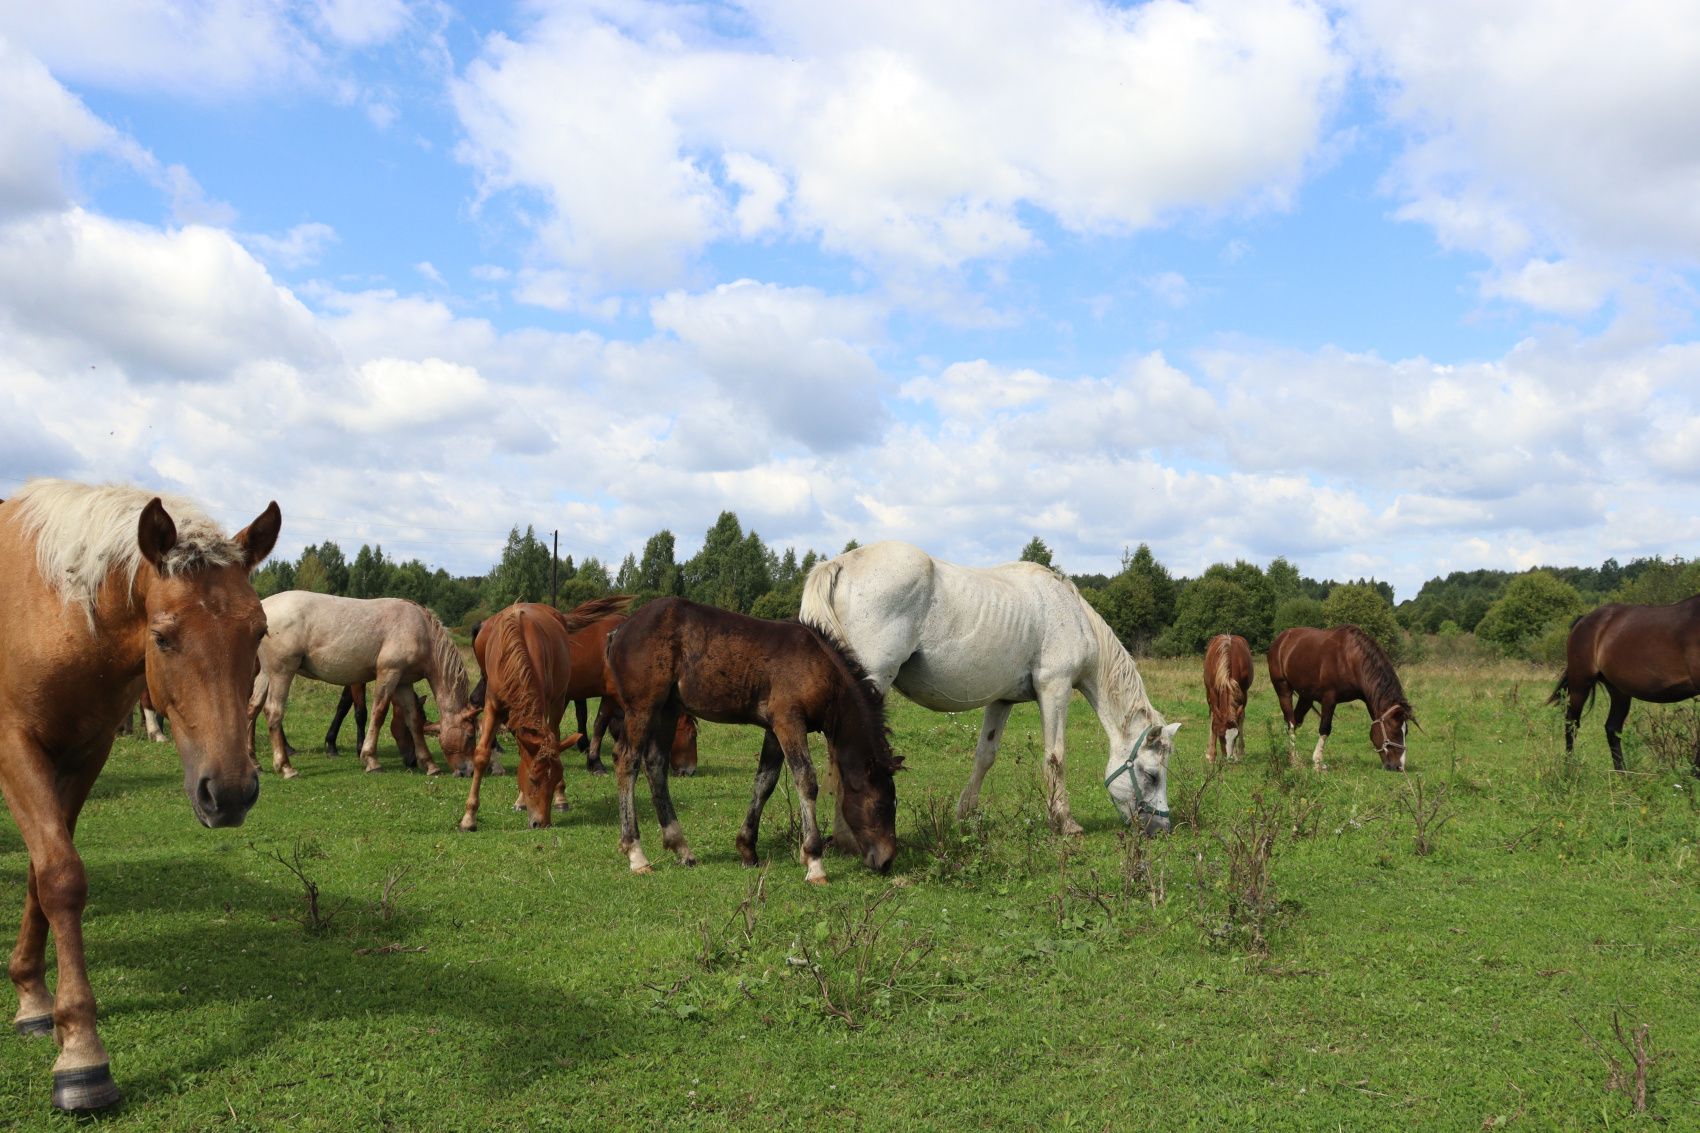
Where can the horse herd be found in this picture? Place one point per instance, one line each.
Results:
(111, 594)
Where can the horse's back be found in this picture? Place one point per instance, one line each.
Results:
(1652, 652)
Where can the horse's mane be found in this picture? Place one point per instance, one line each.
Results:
(450, 665)
(1222, 674)
(865, 700)
(1379, 676)
(509, 664)
(1119, 683)
(816, 609)
(85, 533)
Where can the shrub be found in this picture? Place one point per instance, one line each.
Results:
(1294, 613)
(1363, 606)
(1236, 599)
(1662, 584)
(1532, 602)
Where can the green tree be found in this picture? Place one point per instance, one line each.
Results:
(1036, 552)
(1365, 606)
(1532, 602)
(850, 546)
(369, 576)
(1236, 599)
(333, 564)
(656, 570)
(1296, 612)
(311, 574)
(732, 570)
(523, 573)
(274, 576)
(1660, 583)
(1284, 580)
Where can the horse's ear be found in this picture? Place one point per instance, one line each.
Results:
(156, 533)
(1170, 730)
(259, 537)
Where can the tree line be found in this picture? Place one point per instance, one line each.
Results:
(1152, 610)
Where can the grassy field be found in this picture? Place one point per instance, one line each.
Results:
(999, 979)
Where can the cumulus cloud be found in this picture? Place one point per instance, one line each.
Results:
(42, 128)
(907, 136)
(1560, 138)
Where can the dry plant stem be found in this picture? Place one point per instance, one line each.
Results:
(1424, 808)
(312, 920)
(1632, 1084)
(386, 906)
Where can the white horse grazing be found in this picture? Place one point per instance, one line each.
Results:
(349, 641)
(952, 638)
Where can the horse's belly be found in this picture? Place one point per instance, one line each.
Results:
(334, 672)
(943, 689)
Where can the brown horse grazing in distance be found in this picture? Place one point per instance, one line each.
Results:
(527, 664)
(1649, 653)
(105, 591)
(1227, 681)
(676, 656)
(1331, 666)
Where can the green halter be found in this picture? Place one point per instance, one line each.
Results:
(1141, 806)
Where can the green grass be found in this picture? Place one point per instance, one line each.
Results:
(1015, 982)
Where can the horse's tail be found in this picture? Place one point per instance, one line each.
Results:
(817, 609)
(1561, 691)
(594, 610)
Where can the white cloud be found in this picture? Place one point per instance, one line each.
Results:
(359, 23)
(42, 127)
(1559, 137)
(300, 247)
(907, 136)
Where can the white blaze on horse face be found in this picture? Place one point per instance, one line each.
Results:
(1228, 739)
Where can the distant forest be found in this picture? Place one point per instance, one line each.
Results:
(1152, 610)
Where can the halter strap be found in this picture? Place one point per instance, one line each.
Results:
(1141, 806)
(1381, 748)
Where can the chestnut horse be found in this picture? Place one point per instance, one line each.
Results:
(1330, 667)
(105, 591)
(675, 655)
(1649, 653)
(527, 663)
(682, 759)
(1227, 681)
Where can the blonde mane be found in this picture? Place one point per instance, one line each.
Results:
(1120, 688)
(85, 534)
(451, 667)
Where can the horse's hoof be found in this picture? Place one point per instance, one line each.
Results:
(375, 769)
(687, 772)
(560, 808)
(1073, 829)
(466, 827)
(598, 769)
(642, 869)
(291, 773)
(331, 752)
(688, 860)
(39, 1027)
(86, 1087)
(815, 880)
(433, 770)
(519, 805)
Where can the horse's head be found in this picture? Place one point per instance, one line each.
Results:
(539, 772)
(1387, 733)
(1141, 793)
(204, 626)
(868, 788)
(683, 758)
(457, 735)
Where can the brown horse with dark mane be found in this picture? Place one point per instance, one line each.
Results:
(676, 655)
(1227, 682)
(527, 662)
(1331, 666)
(105, 591)
(1649, 653)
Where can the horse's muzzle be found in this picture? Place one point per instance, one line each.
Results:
(879, 858)
(219, 804)
(1156, 824)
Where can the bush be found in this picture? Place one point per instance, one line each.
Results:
(1662, 584)
(1532, 602)
(1297, 613)
(1553, 645)
(1236, 599)
(1363, 606)
(1449, 629)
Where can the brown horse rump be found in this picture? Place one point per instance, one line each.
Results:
(1649, 653)
(1227, 683)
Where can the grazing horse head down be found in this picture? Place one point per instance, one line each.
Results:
(869, 783)
(1327, 667)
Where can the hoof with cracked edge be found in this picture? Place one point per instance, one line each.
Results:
(86, 1087)
(39, 1027)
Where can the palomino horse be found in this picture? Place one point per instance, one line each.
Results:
(675, 655)
(954, 638)
(105, 591)
(345, 641)
(1649, 653)
(1227, 681)
(527, 663)
(1330, 667)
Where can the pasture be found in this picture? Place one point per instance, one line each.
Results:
(1000, 978)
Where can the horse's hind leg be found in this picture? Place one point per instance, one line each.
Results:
(277, 699)
(343, 704)
(415, 720)
(1614, 725)
(657, 749)
(985, 754)
(480, 763)
(1324, 727)
(151, 720)
(605, 710)
(767, 776)
(795, 744)
(581, 709)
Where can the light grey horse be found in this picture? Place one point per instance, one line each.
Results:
(389, 642)
(953, 638)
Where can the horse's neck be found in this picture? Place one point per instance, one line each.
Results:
(1119, 700)
(450, 689)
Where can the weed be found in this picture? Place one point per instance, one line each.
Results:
(1423, 806)
(1633, 1084)
(391, 890)
(737, 936)
(865, 961)
(313, 920)
(1670, 733)
(1249, 846)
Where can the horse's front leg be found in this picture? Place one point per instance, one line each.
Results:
(767, 776)
(985, 754)
(414, 716)
(151, 720)
(604, 715)
(793, 739)
(383, 695)
(626, 758)
(480, 762)
(1053, 718)
(56, 896)
(581, 713)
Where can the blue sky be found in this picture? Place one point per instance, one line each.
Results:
(1383, 291)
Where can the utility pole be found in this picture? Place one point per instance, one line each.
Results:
(554, 571)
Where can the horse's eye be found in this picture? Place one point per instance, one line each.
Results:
(159, 640)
